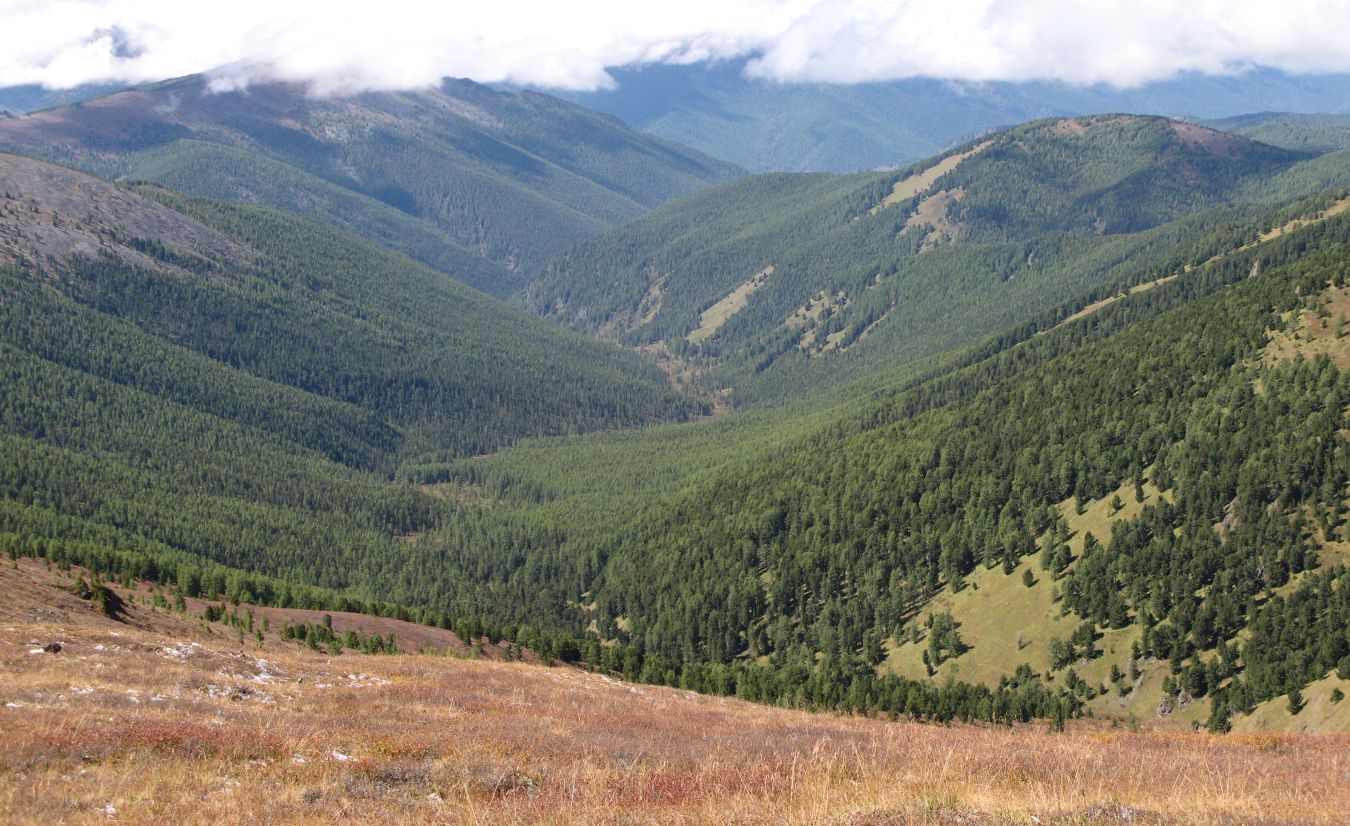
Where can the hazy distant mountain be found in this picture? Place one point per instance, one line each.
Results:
(767, 126)
(1305, 133)
(32, 97)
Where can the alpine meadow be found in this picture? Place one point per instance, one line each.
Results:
(444, 432)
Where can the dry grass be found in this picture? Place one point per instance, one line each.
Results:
(715, 316)
(807, 318)
(933, 213)
(920, 182)
(1270, 235)
(1298, 223)
(1098, 306)
(134, 723)
(1005, 623)
(1323, 331)
(1320, 711)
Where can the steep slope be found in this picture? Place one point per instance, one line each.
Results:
(780, 284)
(767, 126)
(238, 384)
(448, 176)
(174, 393)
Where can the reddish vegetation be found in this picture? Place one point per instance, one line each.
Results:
(1067, 126)
(1216, 143)
(163, 719)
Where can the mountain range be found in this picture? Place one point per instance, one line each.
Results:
(482, 185)
(1049, 425)
(769, 126)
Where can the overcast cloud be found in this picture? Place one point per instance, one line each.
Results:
(349, 45)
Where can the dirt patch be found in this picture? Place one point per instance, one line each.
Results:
(1069, 126)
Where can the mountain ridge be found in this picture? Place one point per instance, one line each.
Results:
(768, 126)
(898, 266)
(450, 176)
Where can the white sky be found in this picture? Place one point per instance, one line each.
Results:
(348, 45)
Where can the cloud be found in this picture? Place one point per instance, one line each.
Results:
(350, 45)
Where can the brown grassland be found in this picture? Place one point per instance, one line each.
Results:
(162, 718)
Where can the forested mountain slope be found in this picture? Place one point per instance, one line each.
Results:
(1152, 494)
(779, 285)
(482, 185)
(237, 383)
(30, 97)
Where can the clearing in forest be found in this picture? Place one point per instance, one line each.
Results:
(1004, 623)
(715, 316)
(1314, 331)
(919, 182)
(1097, 306)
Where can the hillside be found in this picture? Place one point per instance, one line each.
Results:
(160, 715)
(234, 383)
(777, 286)
(1140, 508)
(770, 126)
(482, 185)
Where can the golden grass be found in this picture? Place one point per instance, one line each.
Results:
(158, 720)
(1098, 306)
(1319, 712)
(715, 316)
(1270, 235)
(1004, 622)
(1330, 212)
(808, 317)
(996, 610)
(933, 213)
(1314, 332)
(920, 182)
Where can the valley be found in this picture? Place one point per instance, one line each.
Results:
(462, 454)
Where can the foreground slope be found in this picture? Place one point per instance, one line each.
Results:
(159, 716)
(449, 176)
(776, 286)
